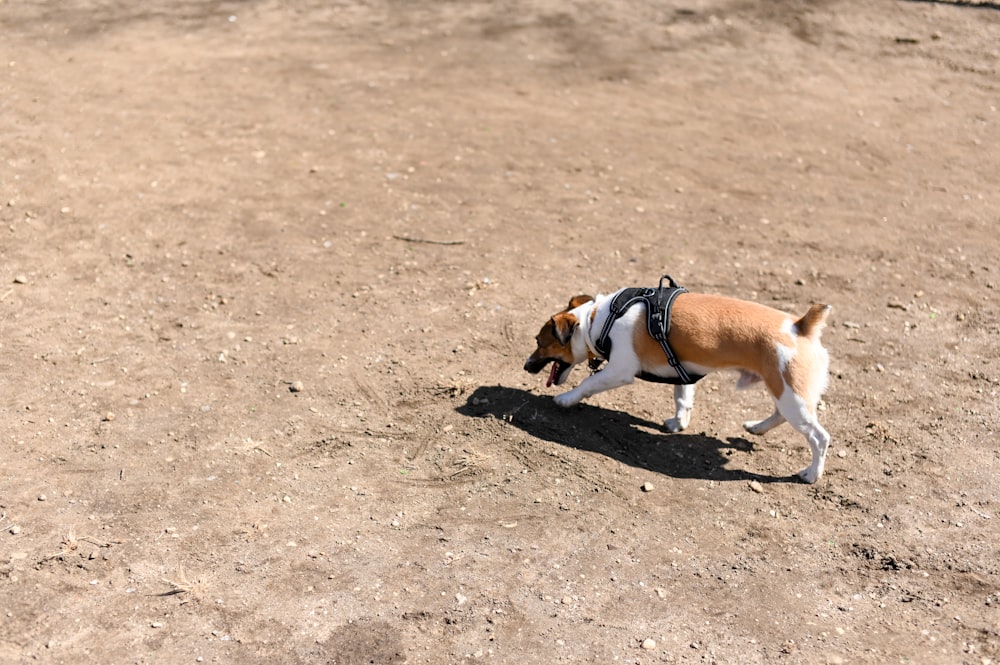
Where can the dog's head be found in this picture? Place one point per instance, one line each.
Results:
(555, 344)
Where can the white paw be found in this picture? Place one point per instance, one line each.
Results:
(754, 426)
(674, 425)
(566, 400)
(809, 475)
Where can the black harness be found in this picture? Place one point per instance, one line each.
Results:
(659, 302)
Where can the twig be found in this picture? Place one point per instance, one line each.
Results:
(429, 242)
(71, 543)
(180, 586)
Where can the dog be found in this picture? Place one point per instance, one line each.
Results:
(703, 333)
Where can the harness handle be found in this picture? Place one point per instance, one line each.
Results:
(673, 284)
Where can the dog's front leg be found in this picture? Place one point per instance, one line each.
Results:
(684, 404)
(608, 378)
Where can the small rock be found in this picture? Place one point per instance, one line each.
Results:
(42, 497)
(661, 592)
(841, 454)
(756, 487)
(156, 624)
(647, 486)
(109, 416)
(649, 644)
(567, 600)
(297, 387)
(20, 279)
(14, 530)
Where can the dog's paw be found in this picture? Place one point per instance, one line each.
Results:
(754, 426)
(809, 475)
(566, 400)
(674, 425)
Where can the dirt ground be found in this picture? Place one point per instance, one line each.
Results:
(269, 272)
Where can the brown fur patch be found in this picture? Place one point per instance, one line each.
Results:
(724, 333)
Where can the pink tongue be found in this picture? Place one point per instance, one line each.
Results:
(553, 373)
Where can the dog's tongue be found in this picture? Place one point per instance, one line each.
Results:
(553, 373)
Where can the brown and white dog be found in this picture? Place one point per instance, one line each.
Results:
(707, 333)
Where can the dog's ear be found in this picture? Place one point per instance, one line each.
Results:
(563, 325)
(576, 301)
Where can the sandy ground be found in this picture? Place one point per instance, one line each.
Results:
(269, 272)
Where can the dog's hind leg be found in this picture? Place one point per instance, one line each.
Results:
(766, 425)
(684, 404)
(802, 416)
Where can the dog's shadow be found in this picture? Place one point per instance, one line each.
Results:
(620, 436)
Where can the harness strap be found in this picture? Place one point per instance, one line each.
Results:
(659, 302)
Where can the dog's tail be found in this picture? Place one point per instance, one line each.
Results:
(812, 322)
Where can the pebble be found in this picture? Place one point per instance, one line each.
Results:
(42, 497)
(297, 387)
(567, 600)
(841, 454)
(14, 530)
(647, 487)
(649, 644)
(156, 624)
(756, 487)
(20, 279)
